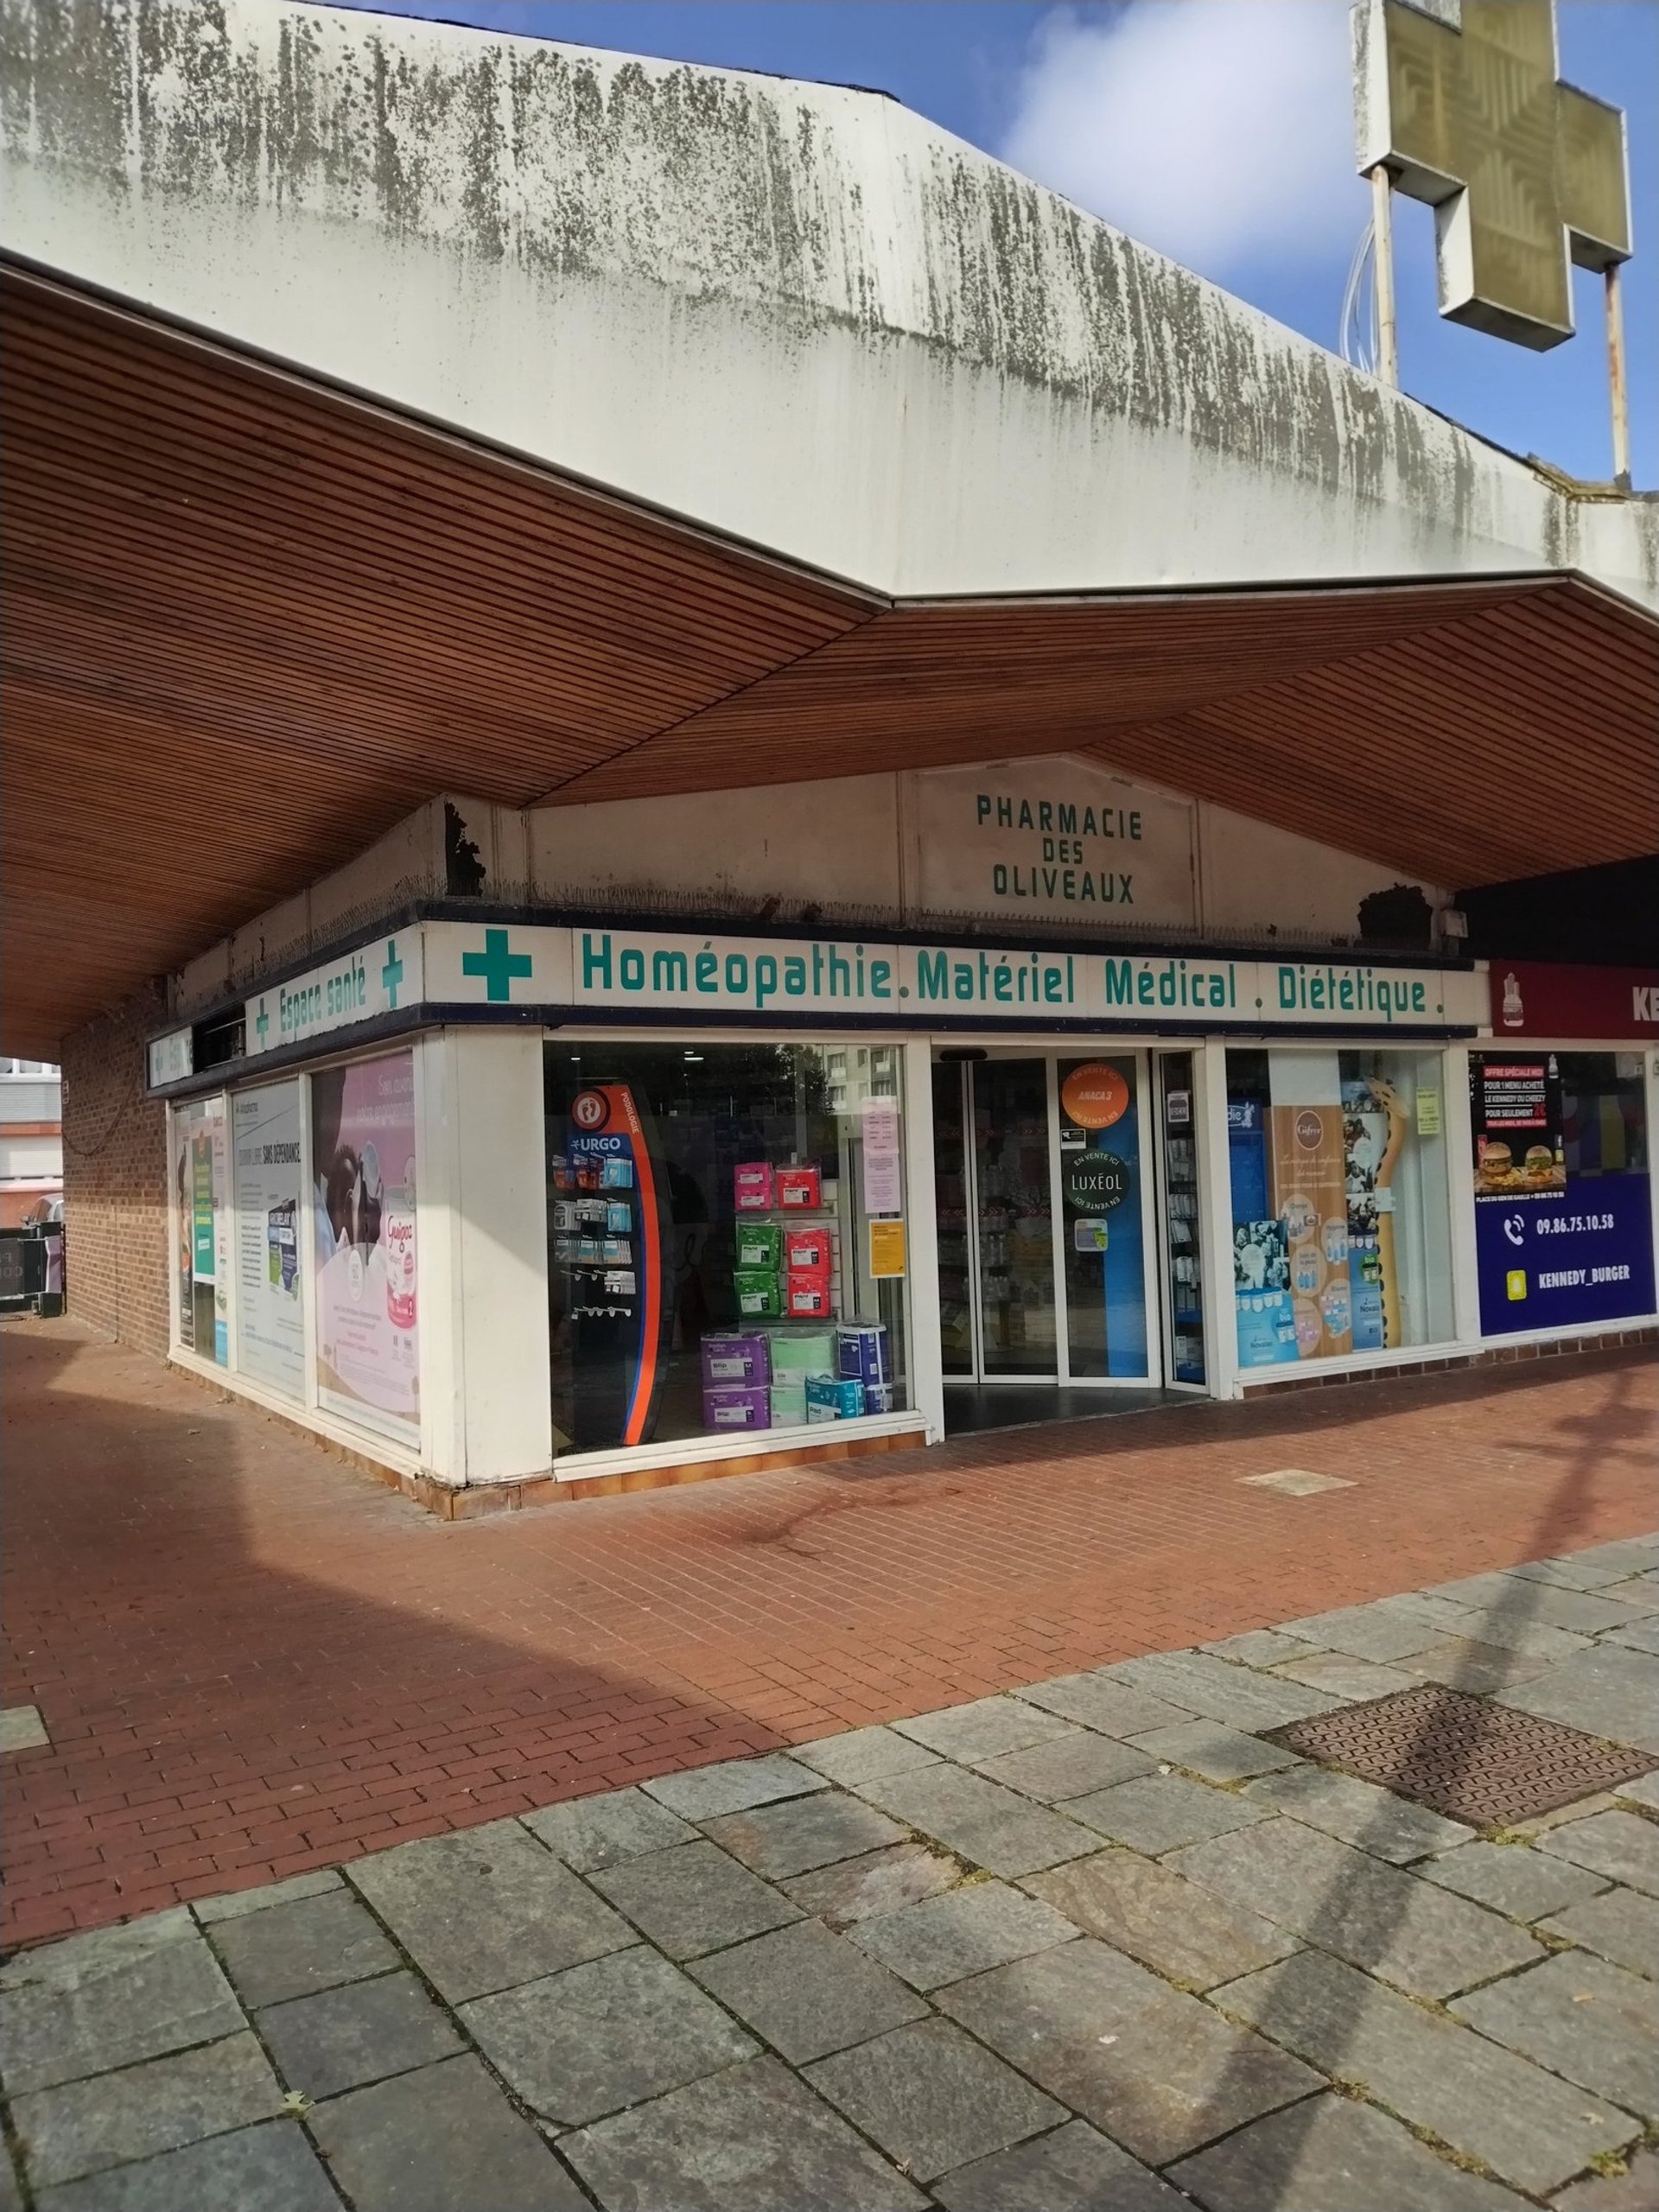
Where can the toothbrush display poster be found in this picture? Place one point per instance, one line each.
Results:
(362, 1203)
(265, 1179)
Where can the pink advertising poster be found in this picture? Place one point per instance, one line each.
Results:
(363, 1209)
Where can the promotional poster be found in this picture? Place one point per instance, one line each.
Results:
(202, 1260)
(269, 1317)
(363, 1212)
(1309, 1184)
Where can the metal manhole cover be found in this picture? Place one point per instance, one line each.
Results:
(1463, 1755)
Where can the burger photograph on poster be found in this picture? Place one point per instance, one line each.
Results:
(1518, 1122)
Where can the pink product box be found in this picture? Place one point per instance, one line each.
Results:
(799, 1188)
(734, 1360)
(737, 1405)
(808, 1297)
(812, 1250)
(751, 1186)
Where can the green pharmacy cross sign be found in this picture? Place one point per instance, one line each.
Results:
(262, 1022)
(391, 974)
(497, 964)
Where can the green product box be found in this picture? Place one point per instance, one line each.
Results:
(802, 1352)
(760, 1295)
(789, 1404)
(759, 1244)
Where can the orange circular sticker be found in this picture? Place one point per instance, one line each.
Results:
(1093, 1096)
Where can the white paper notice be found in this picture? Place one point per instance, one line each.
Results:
(884, 1185)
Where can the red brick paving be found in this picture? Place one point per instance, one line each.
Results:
(254, 1659)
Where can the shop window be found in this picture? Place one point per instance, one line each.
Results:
(1341, 1215)
(1563, 1221)
(725, 1240)
(201, 1222)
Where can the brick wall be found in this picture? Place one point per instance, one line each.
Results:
(115, 1178)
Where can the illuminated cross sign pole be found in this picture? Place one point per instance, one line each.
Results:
(1463, 106)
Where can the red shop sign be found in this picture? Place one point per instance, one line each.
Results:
(1530, 999)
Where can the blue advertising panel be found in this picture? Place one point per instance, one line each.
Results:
(1559, 1259)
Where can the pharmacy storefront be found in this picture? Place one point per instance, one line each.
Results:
(501, 1202)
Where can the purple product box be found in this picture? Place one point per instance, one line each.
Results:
(734, 1360)
(736, 1405)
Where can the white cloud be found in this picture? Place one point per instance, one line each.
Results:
(1219, 132)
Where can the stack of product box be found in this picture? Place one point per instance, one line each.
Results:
(789, 1378)
(782, 1272)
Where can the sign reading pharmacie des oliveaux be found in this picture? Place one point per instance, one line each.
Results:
(706, 978)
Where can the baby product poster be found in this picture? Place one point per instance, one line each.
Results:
(265, 1165)
(1310, 1191)
(363, 1212)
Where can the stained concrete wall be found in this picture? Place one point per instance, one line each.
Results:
(801, 314)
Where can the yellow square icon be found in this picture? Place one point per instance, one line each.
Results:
(1516, 1283)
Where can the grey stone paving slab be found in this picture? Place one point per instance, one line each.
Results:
(862, 1752)
(1634, 2189)
(1504, 1625)
(1528, 2126)
(1640, 1636)
(1572, 1571)
(694, 1898)
(1512, 1879)
(1622, 1845)
(1332, 2155)
(158, 2105)
(1156, 2069)
(1420, 1937)
(886, 1881)
(1644, 1790)
(1157, 1813)
(1363, 1632)
(1639, 1592)
(603, 1831)
(1579, 2017)
(485, 1908)
(1098, 1700)
(1622, 1925)
(752, 2139)
(1170, 1924)
(576, 2045)
(1073, 2170)
(1359, 1813)
(802, 1832)
(1216, 1691)
(438, 2140)
(991, 1826)
(110, 1999)
(964, 1932)
(341, 2039)
(11, 2190)
(1355, 1681)
(735, 1785)
(269, 2168)
(808, 1992)
(240, 1901)
(932, 2098)
(982, 1730)
(1219, 1753)
(22, 1729)
(1628, 1556)
(1073, 1763)
(1259, 1647)
(292, 1949)
(1479, 1669)
(1586, 1612)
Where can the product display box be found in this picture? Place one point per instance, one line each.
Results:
(734, 1359)
(809, 1249)
(759, 1296)
(829, 1398)
(801, 1352)
(751, 1186)
(808, 1295)
(737, 1405)
(789, 1404)
(799, 1188)
(759, 1244)
(863, 1352)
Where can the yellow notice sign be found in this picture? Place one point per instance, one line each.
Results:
(886, 1248)
(1428, 1112)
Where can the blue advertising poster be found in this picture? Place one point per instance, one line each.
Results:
(1558, 1259)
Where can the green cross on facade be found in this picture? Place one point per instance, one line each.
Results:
(262, 1022)
(496, 965)
(393, 974)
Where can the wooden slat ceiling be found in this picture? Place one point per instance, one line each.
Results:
(250, 622)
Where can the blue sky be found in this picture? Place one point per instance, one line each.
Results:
(1261, 198)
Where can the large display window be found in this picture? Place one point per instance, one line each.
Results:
(1341, 1212)
(201, 1226)
(726, 1239)
(1563, 1215)
(363, 1167)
